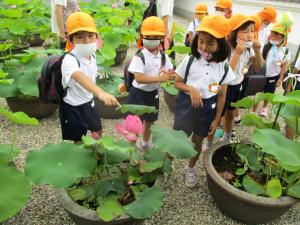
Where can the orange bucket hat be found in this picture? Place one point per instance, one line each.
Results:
(257, 20)
(268, 13)
(80, 21)
(224, 4)
(216, 25)
(153, 25)
(238, 20)
(201, 8)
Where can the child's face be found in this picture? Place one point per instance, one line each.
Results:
(207, 43)
(266, 22)
(152, 42)
(247, 34)
(84, 37)
(200, 16)
(274, 36)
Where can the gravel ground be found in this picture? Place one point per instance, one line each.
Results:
(182, 206)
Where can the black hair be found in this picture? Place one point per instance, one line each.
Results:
(72, 36)
(233, 34)
(266, 49)
(221, 55)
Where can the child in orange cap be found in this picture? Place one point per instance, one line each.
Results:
(202, 80)
(267, 16)
(246, 50)
(79, 71)
(277, 57)
(224, 8)
(200, 13)
(150, 67)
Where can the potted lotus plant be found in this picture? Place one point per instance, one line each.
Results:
(109, 180)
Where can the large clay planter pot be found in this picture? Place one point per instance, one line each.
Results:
(16, 50)
(121, 55)
(170, 101)
(109, 112)
(238, 204)
(84, 216)
(33, 106)
(35, 40)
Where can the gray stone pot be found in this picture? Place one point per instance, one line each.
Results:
(238, 204)
(170, 101)
(32, 106)
(109, 112)
(84, 216)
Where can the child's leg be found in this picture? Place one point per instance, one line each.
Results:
(147, 131)
(289, 133)
(197, 140)
(228, 124)
(96, 134)
(255, 107)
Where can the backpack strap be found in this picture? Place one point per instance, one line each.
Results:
(141, 55)
(70, 53)
(163, 58)
(226, 68)
(187, 70)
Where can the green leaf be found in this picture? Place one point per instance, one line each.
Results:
(285, 151)
(59, 164)
(137, 109)
(77, 194)
(154, 155)
(252, 119)
(6, 81)
(109, 208)
(292, 98)
(169, 87)
(108, 52)
(151, 166)
(88, 140)
(246, 103)
(113, 39)
(8, 153)
(240, 171)
(18, 117)
(274, 188)
(181, 49)
(175, 143)
(15, 191)
(106, 186)
(251, 186)
(149, 202)
(294, 190)
(110, 84)
(250, 156)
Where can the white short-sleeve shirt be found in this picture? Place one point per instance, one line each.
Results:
(264, 33)
(165, 8)
(151, 68)
(193, 26)
(76, 94)
(275, 58)
(242, 63)
(203, 74)
(297, 66)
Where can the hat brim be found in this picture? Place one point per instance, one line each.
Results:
(88, 29)
(211, 31)
(153, 33)
(273, 20)
(244, 21)
(204, 12)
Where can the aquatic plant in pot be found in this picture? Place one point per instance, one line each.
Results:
(22, 95)
(258, 180)
(110, 180)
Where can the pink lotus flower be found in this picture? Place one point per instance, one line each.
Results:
(131, 128)
(114, 5)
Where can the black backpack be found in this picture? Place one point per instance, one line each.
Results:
(50, 81)
(151, 10)
(129, 77)
(187, 39)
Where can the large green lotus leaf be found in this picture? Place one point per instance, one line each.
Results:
(291, 122)
(273, 188)
(252, 187)
(285, 151)
(106, 186)
(110, 84)
(9, 90)
(108, 52)
(16, 2)
(8, 153)
(252, 119)
(28, 83)
(15, 191)
(262, 96)
(150, 166)
(88, 140)
(59, 164)
(292, 98)
(137, 109)
(294, 190)
(6, 81)
(176, 143)
(109, 208)
(288, 111)
(11, 13)
(154, 155)
(250, 156)
(18, 117)
(77, 194)
(112, 39)
(246, 103)
(149, 202)
(169, 87)
(181, 49)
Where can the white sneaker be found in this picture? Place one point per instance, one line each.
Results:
(190, 177)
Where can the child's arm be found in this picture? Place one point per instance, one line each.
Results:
(196, 98)
(85, 82)
(165, 76)
(220, 106)
(283, 70)
(240, 47)
(258, 60)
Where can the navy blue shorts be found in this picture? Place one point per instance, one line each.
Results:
(234, 94)
(196, 120)
(270, 85)
(77, 120)
(150, 98)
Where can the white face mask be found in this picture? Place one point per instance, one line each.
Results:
(248, 44)
(86, 50)
(275, 42)
(220, 13)
(151, 44)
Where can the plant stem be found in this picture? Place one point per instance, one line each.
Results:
(297, 131)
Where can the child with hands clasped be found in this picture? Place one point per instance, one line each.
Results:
(79, 71)
(202, 79)
(150, 67)
(246, 50)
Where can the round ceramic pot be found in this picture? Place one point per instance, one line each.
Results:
(110, 112)
(170, 101)
(35, 40)
(237, 204)
(121, 54)
(83, 216)
(32, 106)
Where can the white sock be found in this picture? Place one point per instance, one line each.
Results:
(227, 136)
